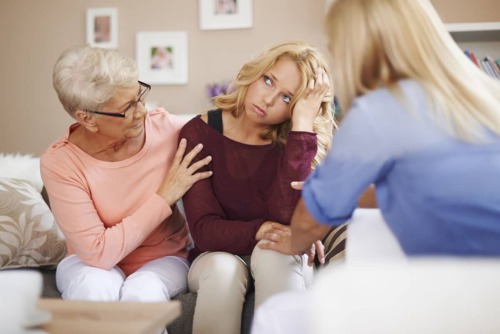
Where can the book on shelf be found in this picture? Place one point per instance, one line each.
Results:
(487, 64)
(494, 64)
(472, 57)
(487, 68)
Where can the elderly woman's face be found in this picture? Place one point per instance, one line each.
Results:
(132, 125)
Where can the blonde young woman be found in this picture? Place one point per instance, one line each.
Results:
(422, 124)
(270, 130)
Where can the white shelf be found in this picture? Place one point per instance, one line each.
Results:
(475, 32)
(466, 27)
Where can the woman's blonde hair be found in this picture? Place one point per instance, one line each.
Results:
(308, 61)
(375, 43)
(86, 77)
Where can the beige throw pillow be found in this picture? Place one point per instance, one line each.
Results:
(29, 235)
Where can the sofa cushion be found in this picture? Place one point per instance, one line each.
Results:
(23, 167)
(29, 235)
(334, 242)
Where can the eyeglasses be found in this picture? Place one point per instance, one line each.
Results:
(145, 88)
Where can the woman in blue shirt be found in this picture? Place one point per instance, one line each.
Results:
(422, 124)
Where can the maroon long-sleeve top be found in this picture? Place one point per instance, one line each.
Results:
(250, 185)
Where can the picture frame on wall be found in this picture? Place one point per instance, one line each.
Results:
(162, 57)
(225, 14)
(102, 27)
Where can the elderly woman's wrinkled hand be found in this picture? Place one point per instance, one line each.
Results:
(182, 174)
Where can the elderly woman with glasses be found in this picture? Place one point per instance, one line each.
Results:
(113, 181)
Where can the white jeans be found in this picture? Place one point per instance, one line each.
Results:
(156, 281)
(221, 280)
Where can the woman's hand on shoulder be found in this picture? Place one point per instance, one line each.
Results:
(183, 173)
(307, 107)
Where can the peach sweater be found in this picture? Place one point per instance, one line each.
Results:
(109, 211)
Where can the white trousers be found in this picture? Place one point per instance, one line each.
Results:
(221, 280)
(156, 281)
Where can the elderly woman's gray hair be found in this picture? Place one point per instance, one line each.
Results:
(86, 78)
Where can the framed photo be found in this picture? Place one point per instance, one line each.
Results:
(162, 57)
(225, 14)
(102, 27)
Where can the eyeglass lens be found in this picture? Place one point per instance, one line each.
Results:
(142, 98)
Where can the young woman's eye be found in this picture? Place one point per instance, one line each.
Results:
(267, 80)
(287, 99)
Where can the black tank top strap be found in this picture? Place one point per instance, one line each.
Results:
(215, 120)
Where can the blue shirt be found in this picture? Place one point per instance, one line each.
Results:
(438, 194)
